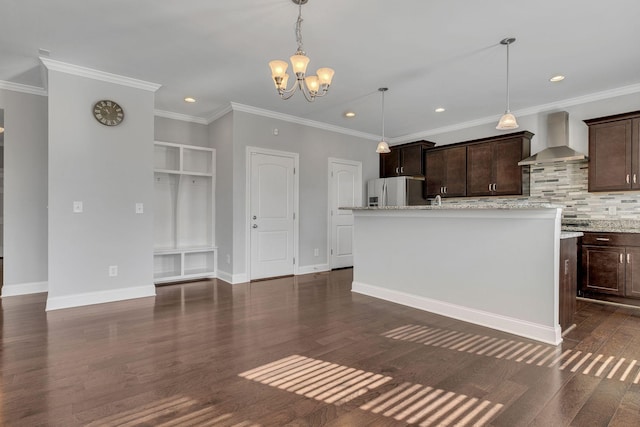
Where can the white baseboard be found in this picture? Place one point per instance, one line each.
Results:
(89, 298)
(24, 289)
(511, 325)
(232, 278)
(308, 269)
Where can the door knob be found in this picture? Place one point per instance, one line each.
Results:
(255, 217)
(255, 225)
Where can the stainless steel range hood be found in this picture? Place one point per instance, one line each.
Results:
(558, 149)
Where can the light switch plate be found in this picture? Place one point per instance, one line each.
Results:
(139, 208)
(77, 207)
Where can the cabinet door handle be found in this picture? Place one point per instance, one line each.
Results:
(628, 179)
(635, 179)
(628, 258)
(495, 187)
(621, 259)
(396, 171)
(603, 239)
(489, 187)
(401, 169)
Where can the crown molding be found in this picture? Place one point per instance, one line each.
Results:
(298, 120)
(219, 113)
(90, 73)
(17, 87)
(592, 97)
(179, 116)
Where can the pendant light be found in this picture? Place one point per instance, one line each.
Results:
(383, 147)
(508, 120)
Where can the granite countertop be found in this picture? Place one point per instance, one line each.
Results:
(458, 206)
(602, 225)
(570, 234)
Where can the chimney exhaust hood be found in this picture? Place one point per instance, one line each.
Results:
(558, 149)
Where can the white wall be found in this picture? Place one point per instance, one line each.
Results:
(314, 146)
(221, 138)
(109, 169)
(25, 192)
(181, 132)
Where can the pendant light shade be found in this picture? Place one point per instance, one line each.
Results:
(508, 120)
(383, 147)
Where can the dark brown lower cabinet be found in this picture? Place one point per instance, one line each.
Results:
(611, 264)
(568, 281)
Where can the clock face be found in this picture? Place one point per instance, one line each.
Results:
(108, 113)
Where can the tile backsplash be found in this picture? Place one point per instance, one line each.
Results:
(566, 184)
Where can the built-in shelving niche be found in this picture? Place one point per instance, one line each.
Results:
(184, 198)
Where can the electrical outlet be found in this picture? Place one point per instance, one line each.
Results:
(113, 270)
(228, 259)
(316, 252)
(139, 208)
(612, 210)
(77, 207)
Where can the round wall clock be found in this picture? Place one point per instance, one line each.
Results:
(108, 113)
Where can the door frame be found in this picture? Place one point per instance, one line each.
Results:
(330, 196)
(247, 202)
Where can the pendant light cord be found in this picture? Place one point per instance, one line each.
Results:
(508, 108)
(383, 115)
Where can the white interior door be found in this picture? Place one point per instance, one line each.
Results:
(345, 189)
(271, 215)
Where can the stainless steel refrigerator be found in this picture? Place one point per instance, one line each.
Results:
(396, 191)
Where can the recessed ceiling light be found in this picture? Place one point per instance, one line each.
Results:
(439, 110)
(189, 99)
(557, 78)
(350, 114)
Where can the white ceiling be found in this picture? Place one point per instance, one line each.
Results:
(429, 53)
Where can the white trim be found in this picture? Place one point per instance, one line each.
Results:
(90, 73)
(24, 289)
(17, 87)
(247, 202)
(219, 113)
(233, 279)
(330, 163)
(99, 297)
(523, 328)
(309, 269)
(597, 96)
(179, 116)
(306, 122)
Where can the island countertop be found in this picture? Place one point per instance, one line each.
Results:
(459, 206)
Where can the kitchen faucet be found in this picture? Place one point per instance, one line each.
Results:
(438, 200)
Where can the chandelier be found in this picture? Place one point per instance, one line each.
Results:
(314, 86)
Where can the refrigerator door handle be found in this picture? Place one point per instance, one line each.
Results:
(384, 193)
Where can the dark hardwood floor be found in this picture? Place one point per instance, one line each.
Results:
(305, 351)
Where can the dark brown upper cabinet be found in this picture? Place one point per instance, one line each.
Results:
(492, 164)
(446, 172)
(404, 160)
(614, 152)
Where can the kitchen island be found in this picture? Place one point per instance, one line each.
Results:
(496, 265)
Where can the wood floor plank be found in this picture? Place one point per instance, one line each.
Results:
(176, 360)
